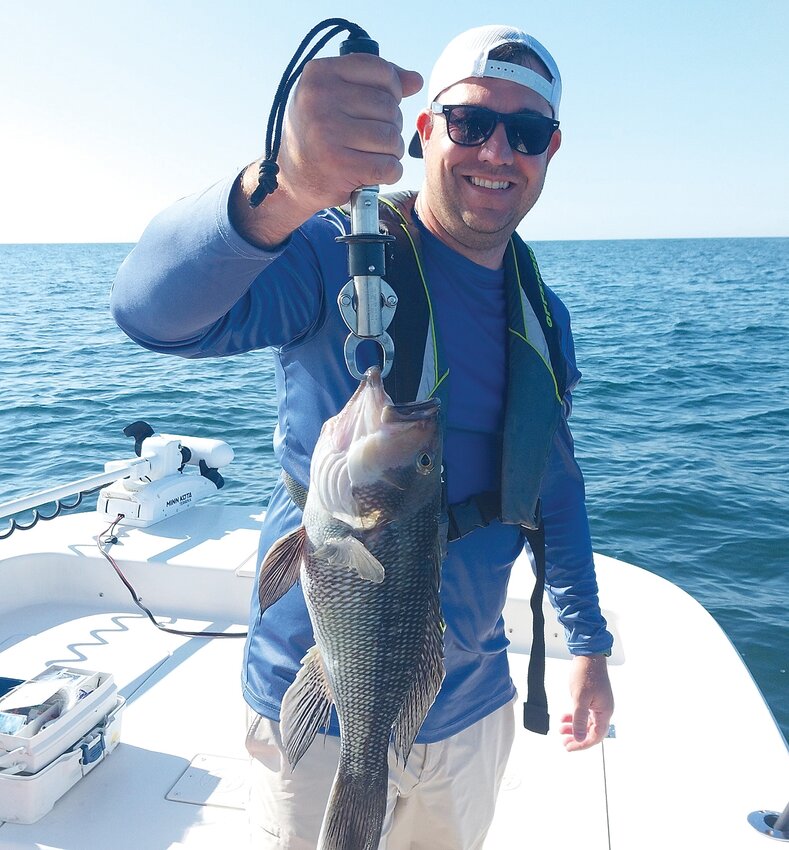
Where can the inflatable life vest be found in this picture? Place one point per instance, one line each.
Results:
(535, 389)
(536, 368)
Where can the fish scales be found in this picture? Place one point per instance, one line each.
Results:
(376, 645)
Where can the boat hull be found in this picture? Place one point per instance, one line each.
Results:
(695, 751)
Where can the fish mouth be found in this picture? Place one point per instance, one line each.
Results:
(372, 376)
(405, 412)
(410, 412)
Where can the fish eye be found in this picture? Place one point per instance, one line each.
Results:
(424, 463)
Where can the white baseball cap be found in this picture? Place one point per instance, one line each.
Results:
(467, 56)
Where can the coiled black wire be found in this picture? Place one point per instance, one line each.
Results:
(104, 541)
(267, 177)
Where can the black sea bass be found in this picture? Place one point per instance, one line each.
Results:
(368, 555)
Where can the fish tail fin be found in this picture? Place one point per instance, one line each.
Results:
(356, 811)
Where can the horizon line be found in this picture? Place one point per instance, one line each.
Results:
(543, 239)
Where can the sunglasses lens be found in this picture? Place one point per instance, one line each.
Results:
(470, 125)
(527, 133)
(530, 134)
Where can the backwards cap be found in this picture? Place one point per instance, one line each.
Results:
(467, 56)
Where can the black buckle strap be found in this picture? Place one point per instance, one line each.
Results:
(535, 709)
(476, 512)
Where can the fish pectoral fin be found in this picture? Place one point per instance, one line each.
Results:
(353, 554)
(280, 568)
(305, 706)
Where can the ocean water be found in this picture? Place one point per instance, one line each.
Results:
(681, 421)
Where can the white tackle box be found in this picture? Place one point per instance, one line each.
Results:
(75, 725)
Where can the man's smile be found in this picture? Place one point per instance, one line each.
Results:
(489, 184)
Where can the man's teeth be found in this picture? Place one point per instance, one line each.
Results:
(489, 184)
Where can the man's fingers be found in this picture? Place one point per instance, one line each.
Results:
(401, 82)
(372, 71)
(366, 169)
(370, 136)
(410, 81)
(581, 720)
(594, 730)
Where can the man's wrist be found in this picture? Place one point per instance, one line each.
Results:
(270, 225)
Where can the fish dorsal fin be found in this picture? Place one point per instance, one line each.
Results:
(353, 554)
(305, 706)
(280, 568)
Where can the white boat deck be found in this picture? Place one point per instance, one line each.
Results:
(696, 749)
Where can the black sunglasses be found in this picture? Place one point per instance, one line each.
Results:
(470, 126)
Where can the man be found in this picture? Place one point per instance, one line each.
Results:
(213, 276)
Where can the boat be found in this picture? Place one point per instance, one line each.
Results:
(694, 758)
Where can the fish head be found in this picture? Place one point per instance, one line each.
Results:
(376, 461)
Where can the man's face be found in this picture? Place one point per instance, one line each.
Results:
(475, 219)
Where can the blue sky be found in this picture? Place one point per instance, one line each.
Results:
(675, 115)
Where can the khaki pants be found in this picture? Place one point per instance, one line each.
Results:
(444, 799)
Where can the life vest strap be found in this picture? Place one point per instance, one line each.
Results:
(476, 512)
(535, 709)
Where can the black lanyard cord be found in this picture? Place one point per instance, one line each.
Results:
(267, 178)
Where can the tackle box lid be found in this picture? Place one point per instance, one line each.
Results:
(41, 718)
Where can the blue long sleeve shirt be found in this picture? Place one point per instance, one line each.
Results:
(195, 288)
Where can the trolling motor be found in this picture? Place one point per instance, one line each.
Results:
(157, 489)
(144, 489)
(367, 303)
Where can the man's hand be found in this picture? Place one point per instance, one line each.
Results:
(593, 703)
(343, 129)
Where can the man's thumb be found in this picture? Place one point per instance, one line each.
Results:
(580, 722)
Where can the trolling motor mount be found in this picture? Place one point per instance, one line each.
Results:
(160, 488)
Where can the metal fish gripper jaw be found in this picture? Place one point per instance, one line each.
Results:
(367, 302)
